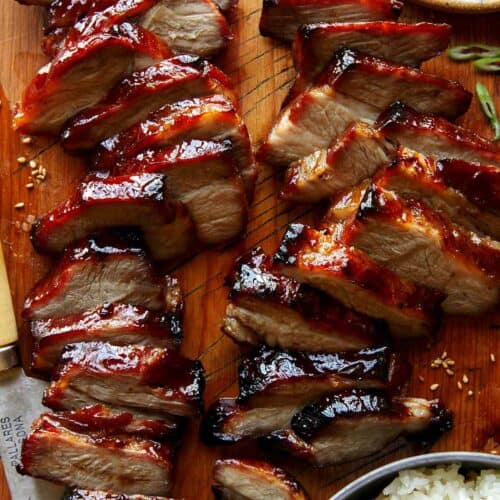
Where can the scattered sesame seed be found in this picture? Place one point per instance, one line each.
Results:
(438, 361)
(459, 385)
(434, 387)
(494, 452)
(21, 159)
(492, 358)
(19, 205)
(450, 362)
(25, 227)
(30, 185)
(445, 364)
(470, 393)
(450, 372)
(465, 379)
(421, 378)
(27, 140)
(444, 355)
(32, 164)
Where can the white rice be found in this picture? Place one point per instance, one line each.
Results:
(443, 483)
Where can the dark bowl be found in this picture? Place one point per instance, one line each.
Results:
(370, 485)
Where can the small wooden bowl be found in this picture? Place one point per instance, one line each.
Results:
(461, 6)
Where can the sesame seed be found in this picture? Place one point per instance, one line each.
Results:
(30, 185)
(494, 452)
(421, 378)
(444, 355)
(445, 364)
(470, 393)
(27, 140)
(434, 387)
(492, 358)
(450, 372)
(32, 164)
(19, 205)
(465, 379)
(450, 362)
(438, 361)
(21, 159)
(25, 227)
(459, 385)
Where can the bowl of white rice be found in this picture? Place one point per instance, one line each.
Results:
(433, 476)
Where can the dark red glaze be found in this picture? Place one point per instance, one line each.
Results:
(101, 202)
(465, 246)
(479, 183)
(77, 46)
(183, 120)
(253, 276)
(168, 374)
(106, 323)
(299, 248)
(100, 248)
(212, 426)
(401, 118)
(281, 18)
(268, 369)
(347, 61)
(429, 38)
(140, 90)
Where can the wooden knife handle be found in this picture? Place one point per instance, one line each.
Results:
(8, 328)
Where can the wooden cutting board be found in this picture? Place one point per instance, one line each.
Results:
(262, 70)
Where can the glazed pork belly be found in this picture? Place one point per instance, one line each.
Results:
(145, 378)
(275, 385)
(401, 43)
(254, 480)
(355, 156)
(58, 450)
(117, 324)
(417, 243)
(468, 193)
(209, 118)
(82, 494)
(282, 18)
(353, 424)
(268, 307)
(100, 270)
(435, 137)
(355, 87)
(350, 276)
(81, 74)
(103, 202)
(140, 93)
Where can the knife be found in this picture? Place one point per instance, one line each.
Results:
(20, 404)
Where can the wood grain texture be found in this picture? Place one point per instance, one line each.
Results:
(262, 69)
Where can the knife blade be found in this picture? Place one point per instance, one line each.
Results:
(20, 404)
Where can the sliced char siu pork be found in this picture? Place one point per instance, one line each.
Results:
(275, 385)
(362, 150)
(100, 270)
(268, 307)
(282, 18)
(82, 73)
(145, 378)
(355, 87)
(140, 93)
(355, 156)
(433, 136)
(356, 423)
(188, 27)
(412, 240)
(117, 324)
(82, 494)
(468, 193)
(211, 118)
(350, 276)
(103, 202)
(58, 450)
(254, 480)
(411, 44)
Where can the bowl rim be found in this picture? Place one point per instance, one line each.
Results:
(425, 460)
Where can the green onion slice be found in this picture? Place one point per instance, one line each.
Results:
(475, 51)
(488, 64)
(489, 108)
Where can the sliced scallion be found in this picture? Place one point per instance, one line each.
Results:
(474, 51)
(489, 109)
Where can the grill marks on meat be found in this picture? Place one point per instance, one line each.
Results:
(254, 480)
(355, 156)
(355, 87)
(84, 70)
(352, 277)
(57, 451)
(142, 92)
(275, 385)
(419, 244)
(357, 423)
(103, 202)
(266, 306)
(401, 43)
(282, 18)
(117, 324)
(468, 193)
(145, 378)
(97, 271)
